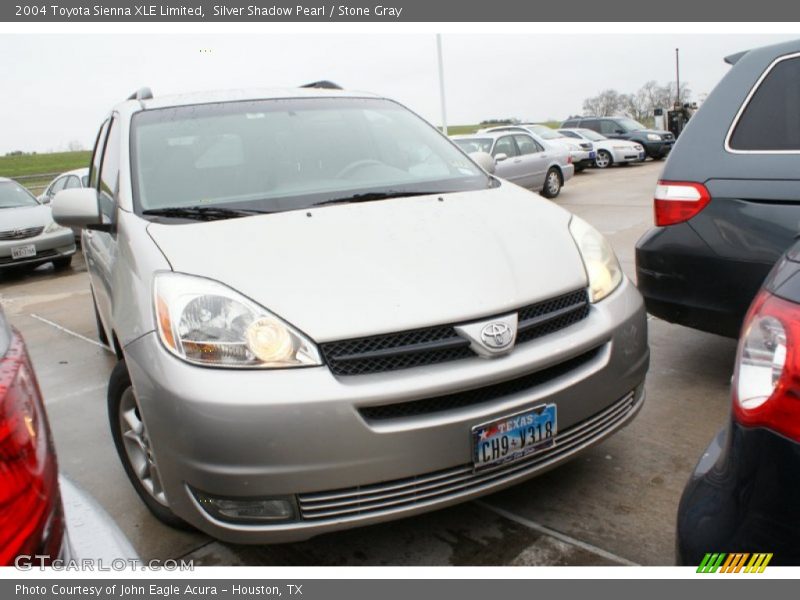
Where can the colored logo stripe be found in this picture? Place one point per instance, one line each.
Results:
(734, 563)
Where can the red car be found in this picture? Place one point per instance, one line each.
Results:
(32, 515)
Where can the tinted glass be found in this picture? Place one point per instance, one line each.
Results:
(592, 135)
(13, 195)
(629, 125)
(609, 127)
(771, 120)
(290, 153)
(593, 124)
(571, 134)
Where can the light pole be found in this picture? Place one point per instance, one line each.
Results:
(441, 82)
(677, 77)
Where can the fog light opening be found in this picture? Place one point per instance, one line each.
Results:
(247, 510)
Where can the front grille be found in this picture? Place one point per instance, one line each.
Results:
(368, 500)
(432, 345)
(20, 234)
(477, 395)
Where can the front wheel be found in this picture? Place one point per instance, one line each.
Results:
(133, 446)
(552, 183)
(603, 160)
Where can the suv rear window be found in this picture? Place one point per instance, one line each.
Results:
(771, 120)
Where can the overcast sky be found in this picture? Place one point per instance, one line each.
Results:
(57, 88)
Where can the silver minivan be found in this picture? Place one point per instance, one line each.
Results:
(327, 315)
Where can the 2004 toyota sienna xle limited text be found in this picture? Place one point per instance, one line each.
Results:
(327, 315)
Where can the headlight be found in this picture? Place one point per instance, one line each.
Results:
(602, 266)
(53, 227)
(207, 323)
(653, 137)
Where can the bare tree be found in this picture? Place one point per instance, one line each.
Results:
(605, 104)
(74, 146)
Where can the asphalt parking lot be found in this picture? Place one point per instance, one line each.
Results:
(615, 504)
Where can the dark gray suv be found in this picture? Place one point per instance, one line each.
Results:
(728, 202)
(656, 143)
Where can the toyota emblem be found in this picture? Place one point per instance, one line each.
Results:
(497, 335)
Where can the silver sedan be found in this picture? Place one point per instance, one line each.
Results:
(28, 234)
(522, 159)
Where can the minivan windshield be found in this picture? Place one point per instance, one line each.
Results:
(287, 154)
(13, 195)
(629, 124)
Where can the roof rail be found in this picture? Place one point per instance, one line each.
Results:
(144, 93)
(322, 85)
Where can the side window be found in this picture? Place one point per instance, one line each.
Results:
(97, 156)
(570, 134)
(109, 173)
(505, 145)
(526, 144)
(593, 124)
(771, 120)
(72, 182)
(608, 127)
(57, 186)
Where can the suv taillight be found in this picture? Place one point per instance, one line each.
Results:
(31, 514)
(678, 201)
(766, 382)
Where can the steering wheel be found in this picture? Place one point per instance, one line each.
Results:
(356, 165)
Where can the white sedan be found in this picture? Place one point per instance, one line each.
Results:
(608, 151)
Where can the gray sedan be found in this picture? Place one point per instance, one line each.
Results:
(521, 159)
(28, 234)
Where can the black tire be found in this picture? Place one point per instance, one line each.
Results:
(101, 332)
(603, 159)
(579, 168)
(119, 388)
(657, 157)
(552, 183)
(63, 262)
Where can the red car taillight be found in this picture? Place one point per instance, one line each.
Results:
(766, 383)
(31, 515)
(678, 201)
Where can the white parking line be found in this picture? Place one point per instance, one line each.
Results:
(556, 534)
(70, 332)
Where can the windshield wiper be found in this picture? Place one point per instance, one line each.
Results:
(203, 213)
(372, 196)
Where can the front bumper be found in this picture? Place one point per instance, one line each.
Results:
(299, 433)
(626, 155)
(582, 159)
(657, 149)
(743, 496)
(49, 246)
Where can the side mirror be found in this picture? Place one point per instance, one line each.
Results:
(500, 157)
(484, 160)
(76, 207)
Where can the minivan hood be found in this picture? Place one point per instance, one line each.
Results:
(24, 217)
(352, 270)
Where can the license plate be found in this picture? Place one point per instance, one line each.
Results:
(514, 437)
(592, 154)
(641, 156)
(18, 252)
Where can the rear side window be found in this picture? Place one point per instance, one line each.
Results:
(771, 119)
(505, 145)
(592, 124)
